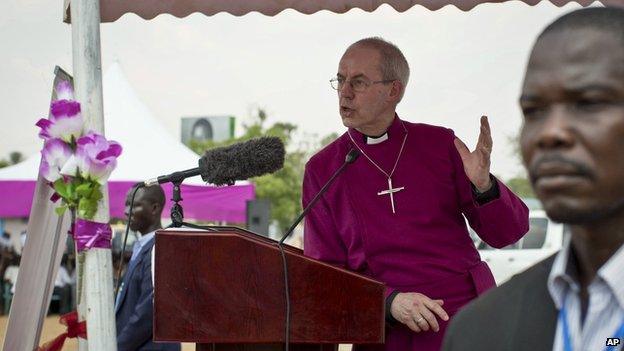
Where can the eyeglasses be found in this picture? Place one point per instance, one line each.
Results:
(357, 84)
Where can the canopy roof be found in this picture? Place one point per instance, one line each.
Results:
(112, 10)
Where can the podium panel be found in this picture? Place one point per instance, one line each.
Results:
(226, 289)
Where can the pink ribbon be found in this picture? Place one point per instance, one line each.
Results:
(88, 235)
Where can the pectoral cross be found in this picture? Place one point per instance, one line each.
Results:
(391, 191)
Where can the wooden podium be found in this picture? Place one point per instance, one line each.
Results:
(224, 290)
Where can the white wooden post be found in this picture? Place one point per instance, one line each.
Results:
(96, 292)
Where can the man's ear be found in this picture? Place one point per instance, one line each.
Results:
(396, 91)
(155, 208)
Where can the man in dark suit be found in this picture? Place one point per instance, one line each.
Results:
(134, 305)
(572, 144)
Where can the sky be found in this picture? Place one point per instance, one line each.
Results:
(463, 65)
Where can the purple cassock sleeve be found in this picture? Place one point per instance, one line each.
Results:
(499, 222)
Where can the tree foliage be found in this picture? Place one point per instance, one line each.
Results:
(519, 184)
(15, 157)
(521, 187)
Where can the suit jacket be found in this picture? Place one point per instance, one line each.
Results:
(134, 312)
(518, 315)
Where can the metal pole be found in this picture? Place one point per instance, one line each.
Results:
(96, 292)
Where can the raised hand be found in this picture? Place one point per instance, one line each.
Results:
(477, 163)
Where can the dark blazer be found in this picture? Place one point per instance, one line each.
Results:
(134, 312)
(518, 315)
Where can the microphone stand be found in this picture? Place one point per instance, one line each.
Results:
(177, 212)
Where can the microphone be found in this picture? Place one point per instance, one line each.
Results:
(253, 158)
(225, 165)
(352, 155)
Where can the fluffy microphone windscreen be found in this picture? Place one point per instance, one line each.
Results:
(253, 158)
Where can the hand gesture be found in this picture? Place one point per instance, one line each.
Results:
(417, 311)
(477, 163)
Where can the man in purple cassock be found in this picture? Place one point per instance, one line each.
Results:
(395, 214)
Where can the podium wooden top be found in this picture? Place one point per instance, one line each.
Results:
(227, 286)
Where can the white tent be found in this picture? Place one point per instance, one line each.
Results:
(149, 150)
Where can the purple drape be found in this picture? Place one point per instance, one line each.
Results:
(207, 203)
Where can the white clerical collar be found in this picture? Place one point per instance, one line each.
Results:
(376, 140)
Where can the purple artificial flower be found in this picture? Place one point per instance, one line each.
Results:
(64, 91)
(54, 155)
(65, 119)
(96, 157)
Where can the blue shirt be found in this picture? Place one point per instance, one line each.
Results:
(139, 244)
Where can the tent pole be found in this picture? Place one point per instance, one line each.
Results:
(96, 275)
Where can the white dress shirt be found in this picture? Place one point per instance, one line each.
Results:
(605, 311)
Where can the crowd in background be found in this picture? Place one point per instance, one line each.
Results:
(64, 294)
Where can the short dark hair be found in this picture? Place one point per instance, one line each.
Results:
(153, 194)
(605, 19)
